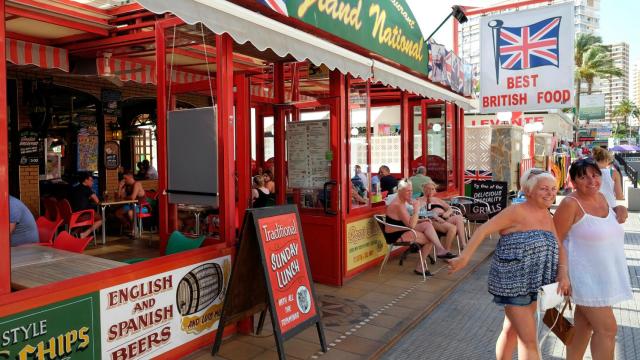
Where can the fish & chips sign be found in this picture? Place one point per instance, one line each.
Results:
(527, 59)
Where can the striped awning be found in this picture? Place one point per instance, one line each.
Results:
(27, 53)
(141, 72)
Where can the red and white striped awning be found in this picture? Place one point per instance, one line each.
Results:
(26, 53)
(141, 72)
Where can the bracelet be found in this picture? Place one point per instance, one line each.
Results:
(562, 265)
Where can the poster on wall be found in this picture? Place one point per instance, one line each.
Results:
(64, 330)
(365, 243)
(88, 149)
(147, 317)
(30, 146)
(111, 102)
(527, 60)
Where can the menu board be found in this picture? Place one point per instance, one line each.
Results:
(88, 149)
(307, 148)
(30, 148)
(493, 193)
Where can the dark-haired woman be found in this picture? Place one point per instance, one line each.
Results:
(593, 245)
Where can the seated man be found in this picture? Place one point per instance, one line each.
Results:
(22, 225)
(418, 180)
(130, 189)
(388, 183)
(82, 197)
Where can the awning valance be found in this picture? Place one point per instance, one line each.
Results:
(141, 72)
(27, 53)
(221, 16)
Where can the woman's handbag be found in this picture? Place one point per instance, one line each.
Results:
(557, 323)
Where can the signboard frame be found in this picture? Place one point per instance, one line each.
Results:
(489, 185)
(241, 302)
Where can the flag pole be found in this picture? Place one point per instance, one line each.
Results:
(495, 26)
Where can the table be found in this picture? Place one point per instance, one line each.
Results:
(34, 265)
(196, 210)
(103, 210)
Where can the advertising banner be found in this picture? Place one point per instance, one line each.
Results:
(527, 59)
(387, 28)
(365, 242)
(144, 318)
(287, 270)
(592, 107)
(63, 330)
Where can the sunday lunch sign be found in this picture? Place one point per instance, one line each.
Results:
(526, 61)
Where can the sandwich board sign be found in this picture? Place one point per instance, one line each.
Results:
(272, 247)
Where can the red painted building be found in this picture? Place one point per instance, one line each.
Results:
(301, 98)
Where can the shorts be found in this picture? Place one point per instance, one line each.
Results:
(522, 300)
(127, 207)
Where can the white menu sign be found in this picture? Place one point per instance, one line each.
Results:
(307, 147)
(144, 318)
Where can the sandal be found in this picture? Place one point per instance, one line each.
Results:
(431, 259)
(426, 273)
(447, 256)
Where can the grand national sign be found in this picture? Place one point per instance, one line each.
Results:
(527, 59)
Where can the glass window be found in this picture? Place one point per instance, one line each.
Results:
(359, 170)
(385, 140)
(437, 145)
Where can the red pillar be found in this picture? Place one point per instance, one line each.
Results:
(5, 250)
(279, 133)
(243, 134)
(405, 134)
(161, 129)
(259, 136)
(226, 166)
(461, 165)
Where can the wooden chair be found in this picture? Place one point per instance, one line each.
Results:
(47, 229)
(68, 242)
(412, 245)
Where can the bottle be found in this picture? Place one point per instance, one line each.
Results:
(105, 198)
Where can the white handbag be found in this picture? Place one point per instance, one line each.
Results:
(548, 296)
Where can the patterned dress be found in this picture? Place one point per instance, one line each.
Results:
(523, 262)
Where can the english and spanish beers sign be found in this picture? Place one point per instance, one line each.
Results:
(526, 59)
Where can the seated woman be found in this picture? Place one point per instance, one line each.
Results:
(259, 193)
(444, 213)
(397, 214)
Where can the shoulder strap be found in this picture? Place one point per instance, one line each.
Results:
(576, 200)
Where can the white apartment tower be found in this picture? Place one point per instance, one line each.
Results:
(587, 20)
(616, 89)
(635, 82)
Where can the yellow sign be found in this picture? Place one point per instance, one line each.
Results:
(365, 243)
(200, 323)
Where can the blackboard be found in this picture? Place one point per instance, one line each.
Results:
(272, 245)
(30, 148)
(493, 193)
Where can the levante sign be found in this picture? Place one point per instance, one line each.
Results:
(385, 27)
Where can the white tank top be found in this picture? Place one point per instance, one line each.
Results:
(606, 187)
(597, 262)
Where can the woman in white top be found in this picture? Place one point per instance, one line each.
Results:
(611, 186)
(596, 273)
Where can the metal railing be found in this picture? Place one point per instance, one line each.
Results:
(631, 172)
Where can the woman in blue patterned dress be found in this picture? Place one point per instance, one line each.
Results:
(525, 259)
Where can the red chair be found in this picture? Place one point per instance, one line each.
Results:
(68, 242)
(51, 208)
(82, 219)
(140, 215)
(64, 211)
(47, 229)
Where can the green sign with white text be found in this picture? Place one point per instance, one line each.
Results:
(64, 330)
(385, 27)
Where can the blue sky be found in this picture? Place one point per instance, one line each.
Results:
(619, 22)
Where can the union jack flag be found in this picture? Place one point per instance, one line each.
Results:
(475, 174)
(279, 6)
(530, 46)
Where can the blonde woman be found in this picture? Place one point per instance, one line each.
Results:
(397, 214)
(525, 259)
(611, 183)
(445, 221)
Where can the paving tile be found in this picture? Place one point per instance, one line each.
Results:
(386, 321)
(359, 345)
(337, 354)
(300, 348)
(238, 350)
(373, 332)
(273, 355)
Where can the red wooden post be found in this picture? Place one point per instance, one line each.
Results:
(243, 134)
(279, 133)
(405, 119)
(226, 166)
(259, 136)
(5, 242)
(461, 166)
(161, 129)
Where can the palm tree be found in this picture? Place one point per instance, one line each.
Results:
(592, 60)
(625, 109)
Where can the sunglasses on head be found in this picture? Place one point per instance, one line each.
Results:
(535, 171)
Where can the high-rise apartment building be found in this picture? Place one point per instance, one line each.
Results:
(617, 88)
(587, 20)
(635, 82)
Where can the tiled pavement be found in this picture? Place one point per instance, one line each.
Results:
(467, 323)
(362, 317)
